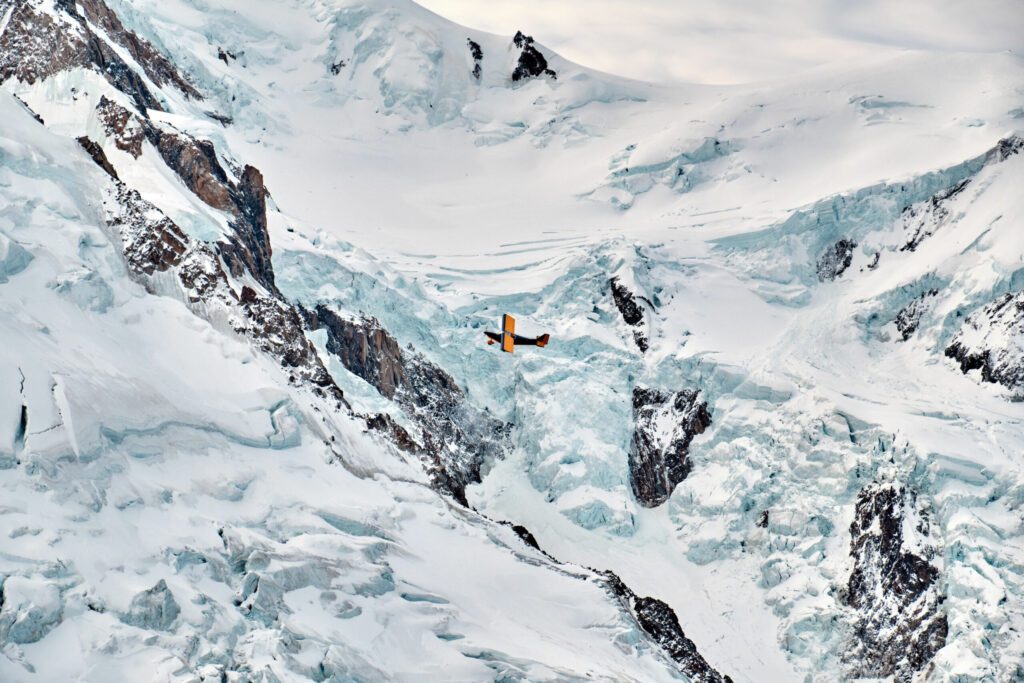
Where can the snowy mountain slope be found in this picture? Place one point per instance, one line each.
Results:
(838, 130)
(116, 416)
(803, 255)
(191, 524)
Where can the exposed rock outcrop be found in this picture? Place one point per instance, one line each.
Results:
(37, 44)
(455, 438)
(922, 220)
(196, 163)
(126, 129)
(893, 588)
(660, 622)
(98, 155)
(153, 244)
(150, 240)
(226, 56)
(835, 260)
(664, 427)
(909, 317)
(477, 53)
(531, 62)
(157, 67)
(251, 250)
(631, 311)
(654, 617)
(992, 340)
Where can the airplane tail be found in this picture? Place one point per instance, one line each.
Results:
(542, 340)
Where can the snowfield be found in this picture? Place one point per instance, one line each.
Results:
(250, 430)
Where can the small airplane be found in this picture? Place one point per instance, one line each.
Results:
(509, 339)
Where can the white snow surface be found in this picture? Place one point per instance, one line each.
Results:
(158, 447)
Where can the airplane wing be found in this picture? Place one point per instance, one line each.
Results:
(508, 329)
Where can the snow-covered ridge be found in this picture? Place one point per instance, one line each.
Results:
(227, 280)
(185, 325)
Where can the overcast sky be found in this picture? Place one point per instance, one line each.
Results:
(735, 41)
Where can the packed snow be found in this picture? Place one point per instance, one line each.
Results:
(804, 251)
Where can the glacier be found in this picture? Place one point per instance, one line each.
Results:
(249, 429)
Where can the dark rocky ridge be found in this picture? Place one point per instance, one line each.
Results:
(477, 53)
(98, 155)
(922, 220)
(835, 260)
(24, 104)
(992, 340)
(909, 317)
(660, 622)
(630, 310)
(898, 622)
(122, 126)
(226, 56)
(455, 438)
(196, 163)
(36, 45)
(531, 62)
(157, 67)
(654, 617)
(659, 461)
(152, 243)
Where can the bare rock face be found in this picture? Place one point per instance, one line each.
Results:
(531, 62)
(251, 250)
(477, 53)
(366, 349)
(631, 311)
(151, 241)
(125, 128)
(835, 260)
(98, 155)
(660, 622)
(153, 244)
(894, 586)
(921, 221)
(196, 163)
(658, 453)
(157, 67)
(909, 317)
(455, 438)
(37, 44)
(992, 340)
